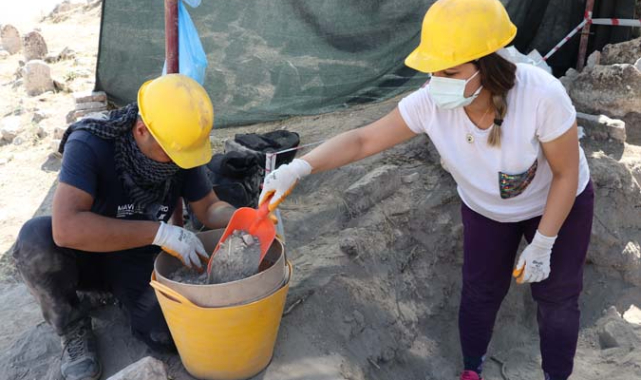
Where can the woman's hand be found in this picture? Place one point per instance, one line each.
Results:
(534, 262)
(280, 183)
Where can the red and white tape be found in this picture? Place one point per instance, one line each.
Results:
(565, 39)
(616, 22)
(596, 21)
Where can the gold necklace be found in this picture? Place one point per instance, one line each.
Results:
(469, 137)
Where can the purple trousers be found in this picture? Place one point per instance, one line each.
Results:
(490, 249)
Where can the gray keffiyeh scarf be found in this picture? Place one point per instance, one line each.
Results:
(149, 183)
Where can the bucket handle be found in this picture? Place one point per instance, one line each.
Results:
(168, 292)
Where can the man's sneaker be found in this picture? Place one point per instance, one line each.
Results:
(80, 353)
(160, 342)
(470, 375)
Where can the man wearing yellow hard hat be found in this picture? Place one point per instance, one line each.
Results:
(508, 135)
(120, 181)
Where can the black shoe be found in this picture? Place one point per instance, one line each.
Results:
(160, 342)
(80, 353)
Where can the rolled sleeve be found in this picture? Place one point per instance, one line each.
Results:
(555, 112)
(415, 110)
(79, 166)
(196, 185)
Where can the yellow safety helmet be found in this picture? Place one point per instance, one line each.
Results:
(179, 114)
(459, 31)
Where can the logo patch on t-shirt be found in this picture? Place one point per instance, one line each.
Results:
(162, 212)
(125, 210)
(130, 209)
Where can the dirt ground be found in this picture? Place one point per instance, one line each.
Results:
(375, 290)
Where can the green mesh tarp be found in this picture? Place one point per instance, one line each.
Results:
(270, 59)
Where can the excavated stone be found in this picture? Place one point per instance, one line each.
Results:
(594, 59)
(147, 368)
(637, 64)
(633, 315)
(41, 132)
(66, 53)
(372, 188)
(632, 253)
(39, 116)
(624, 52)
(51, 58)
(91, 106)
(614, 331)
(633, 127)
(11, 41)
(4, 54)
(58, 132)
(89, 96)
(37, 78)
(611, 90)
(54, 145)
(601, 127)
(35, 46)
(66, 6)
(569, 78)
(10, 128)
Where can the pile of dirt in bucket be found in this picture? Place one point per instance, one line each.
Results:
(189, 276)
(237, 258)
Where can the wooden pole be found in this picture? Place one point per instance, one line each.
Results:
(171, 57)
(585, 35)
(171, 35)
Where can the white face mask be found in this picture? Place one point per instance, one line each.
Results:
(449, 93)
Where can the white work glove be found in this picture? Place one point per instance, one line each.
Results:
(281, 182)
(182, 244)
(534, 262)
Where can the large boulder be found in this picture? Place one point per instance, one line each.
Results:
(35, 46)
(624, 52)
(615, 242)
(37, 78)
(610, 90)
(10, 39)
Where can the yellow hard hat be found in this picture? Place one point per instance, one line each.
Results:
(459, 31)
(179, 114)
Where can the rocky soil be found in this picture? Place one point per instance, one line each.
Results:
(376, 280)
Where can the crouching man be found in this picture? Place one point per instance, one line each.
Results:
(119, 183)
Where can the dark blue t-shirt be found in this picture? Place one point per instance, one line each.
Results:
(88, 164)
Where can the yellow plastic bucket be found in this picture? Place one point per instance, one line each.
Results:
(223, 343)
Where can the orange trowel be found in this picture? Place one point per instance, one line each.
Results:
(255, 222)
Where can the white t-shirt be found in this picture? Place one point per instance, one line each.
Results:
(510, 183)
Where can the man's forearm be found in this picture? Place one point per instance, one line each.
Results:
(91, 232)
(218, 215)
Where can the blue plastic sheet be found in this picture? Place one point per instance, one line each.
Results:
(192, 60)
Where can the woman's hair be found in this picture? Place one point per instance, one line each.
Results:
(497, 76)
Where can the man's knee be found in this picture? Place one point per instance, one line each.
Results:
(35, 243)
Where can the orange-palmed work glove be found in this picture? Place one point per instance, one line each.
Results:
(280, 183)
(534, 262)
(182, 244)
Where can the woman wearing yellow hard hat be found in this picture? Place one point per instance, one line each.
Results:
(508, 135)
